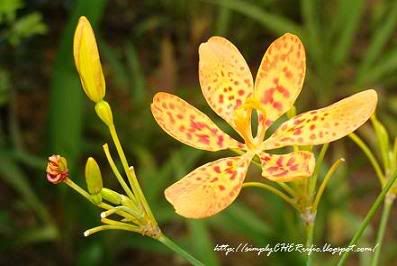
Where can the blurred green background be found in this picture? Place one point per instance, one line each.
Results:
(150, 46)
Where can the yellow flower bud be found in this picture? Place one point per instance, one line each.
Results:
(93, 176)
(86, 58)
(104, 112)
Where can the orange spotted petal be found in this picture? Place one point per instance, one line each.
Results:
(189, 125)
(210, 188)
(326, 124)
(225, 78)
(280, 77)
(287, 167)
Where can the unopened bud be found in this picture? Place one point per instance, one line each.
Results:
(93, 177)
(88, 64)
(57, 169)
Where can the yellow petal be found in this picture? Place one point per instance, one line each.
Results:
(189, 125)
(327, 124)
(280, 77)
(287, 167)
(225, 78)
(210, 188)
(87, 61)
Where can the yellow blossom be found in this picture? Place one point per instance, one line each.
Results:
(229, 88)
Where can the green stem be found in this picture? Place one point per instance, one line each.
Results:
(368, 218)
(117, 173)
(382, 227)
(323, 185)
(313, 180)
(132, 178)
(274, 191)
(370, 156)
(309, 240)
(78, 189)
(174, 247)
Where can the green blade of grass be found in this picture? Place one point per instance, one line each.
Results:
(347, 28)
(137, 80)
(11, 174)
(312, 27)
(276, 23)
(112, 58)
(385, 65)
(223, 21)
(378, 41)
(202, 243)
(66, 101)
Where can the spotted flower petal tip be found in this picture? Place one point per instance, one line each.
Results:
(189, 125)
(57, 170)
(210, 188)
(326, 124)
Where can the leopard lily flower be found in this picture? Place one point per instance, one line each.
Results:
(228, 87)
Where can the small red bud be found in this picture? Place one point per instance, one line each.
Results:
(57, 170)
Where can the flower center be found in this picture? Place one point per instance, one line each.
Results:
(242, 121)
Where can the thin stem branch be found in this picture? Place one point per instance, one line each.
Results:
(132, 178)
(370, 156)
(388, 203)
(117, 173)
(78, 189)
(323, 185)
(177, 249)
(313, 179)
(368, 218)
(107, 227)
(274, 190)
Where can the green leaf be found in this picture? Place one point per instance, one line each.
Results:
(312, 28)
(350, 13)
(5, 86)
(26, 27)
(203, 246)
(11, 174)
(378, 41)
(66, 97)
(8, 9)
(137, 80)
(385, 65)
(112, 57)
(238, 218)
(276, 23)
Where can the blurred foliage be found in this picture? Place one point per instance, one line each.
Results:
(148, 46)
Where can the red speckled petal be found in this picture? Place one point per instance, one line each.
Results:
(188, 125)
(210, 188)
(287, 167)
(327, 124)
(280, 77)
(225, 78)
